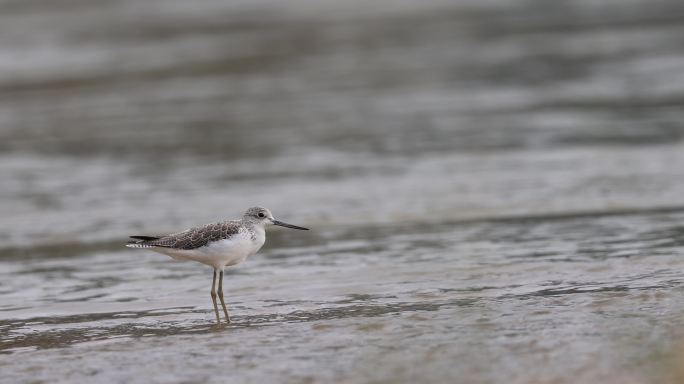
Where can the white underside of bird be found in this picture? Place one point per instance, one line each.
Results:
(221, 253)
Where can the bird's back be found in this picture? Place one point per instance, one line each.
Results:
(192, 238)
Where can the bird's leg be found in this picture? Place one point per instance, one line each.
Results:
(220, 295)
(213, 298)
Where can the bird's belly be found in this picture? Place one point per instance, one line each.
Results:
(230, 252)
(217, 254)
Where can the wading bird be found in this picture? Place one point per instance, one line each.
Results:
(217, 245)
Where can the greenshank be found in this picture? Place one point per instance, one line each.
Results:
(217, 245)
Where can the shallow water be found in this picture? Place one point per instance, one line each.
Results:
(495, 189)
(433, 302)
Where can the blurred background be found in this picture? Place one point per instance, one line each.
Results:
(495, 187)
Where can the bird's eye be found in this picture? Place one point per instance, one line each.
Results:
(261, 214)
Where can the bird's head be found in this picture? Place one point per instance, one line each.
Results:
(263, 216)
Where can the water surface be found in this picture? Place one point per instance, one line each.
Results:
(495, 190)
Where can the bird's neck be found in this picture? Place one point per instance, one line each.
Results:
(256, 232)
(253, 225)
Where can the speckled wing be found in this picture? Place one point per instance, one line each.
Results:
(194, 237)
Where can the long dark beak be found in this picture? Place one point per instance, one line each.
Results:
(280, 223)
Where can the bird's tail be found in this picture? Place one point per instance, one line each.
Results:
(138, 245)
(141, 242)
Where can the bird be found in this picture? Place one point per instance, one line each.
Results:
(218, 245)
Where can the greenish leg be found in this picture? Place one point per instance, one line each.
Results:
(220, 295)
(213, 298)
